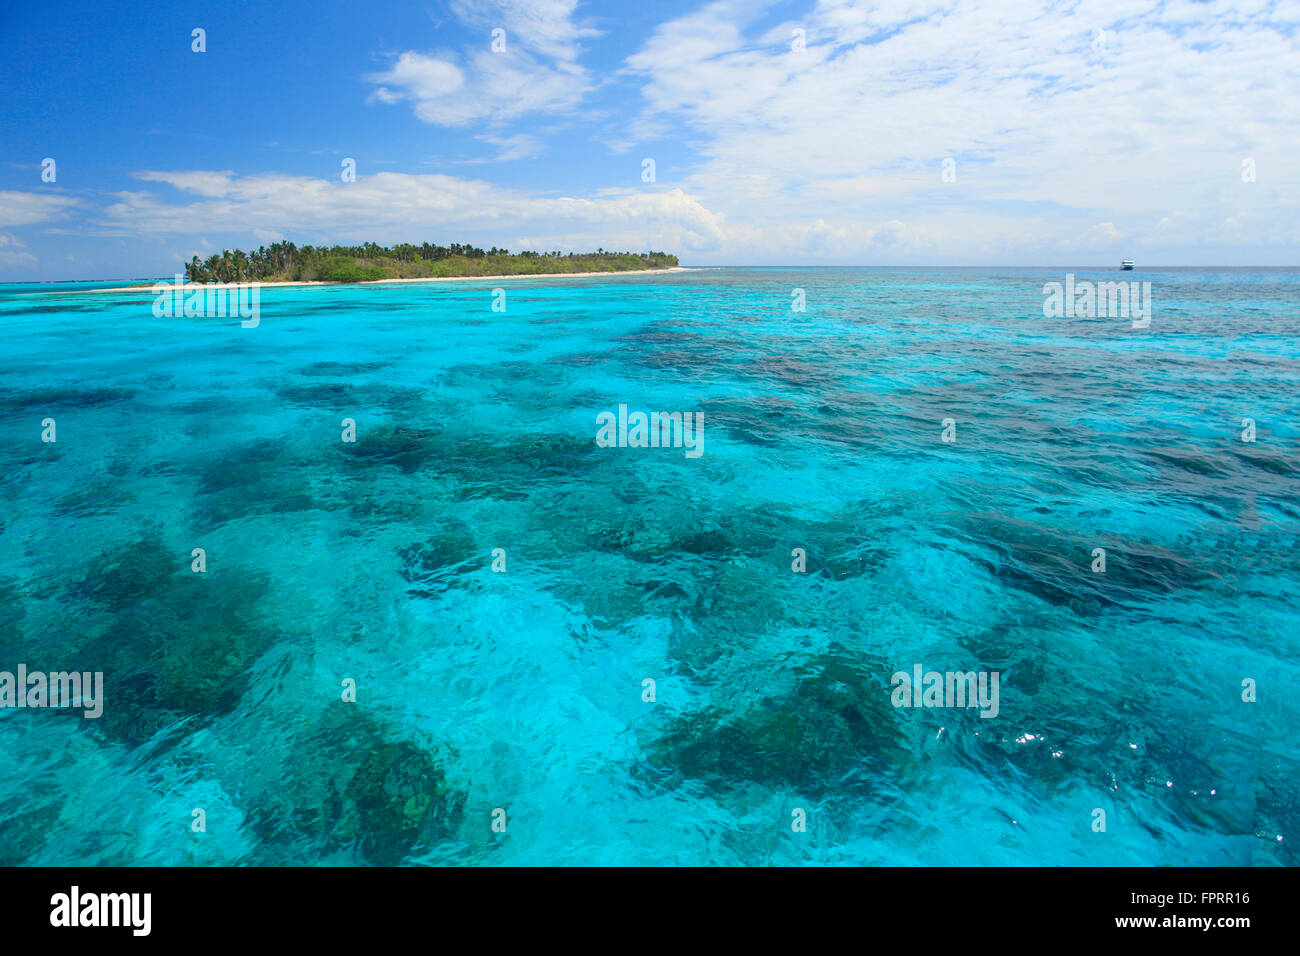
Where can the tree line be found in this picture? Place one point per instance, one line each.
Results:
(285, 261)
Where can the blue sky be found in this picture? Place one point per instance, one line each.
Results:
(781, 133)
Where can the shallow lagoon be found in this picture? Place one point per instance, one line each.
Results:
(523, 690)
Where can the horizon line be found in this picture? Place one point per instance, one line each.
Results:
(751, 266)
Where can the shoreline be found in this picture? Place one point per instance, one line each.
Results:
(171, 284)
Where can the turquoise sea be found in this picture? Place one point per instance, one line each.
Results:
(501, 716)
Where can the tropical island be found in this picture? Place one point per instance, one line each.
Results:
(286, 262)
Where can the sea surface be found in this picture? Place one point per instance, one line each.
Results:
(645, 678)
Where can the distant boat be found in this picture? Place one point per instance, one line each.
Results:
(1127, 265)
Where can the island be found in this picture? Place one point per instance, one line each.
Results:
(286, 262)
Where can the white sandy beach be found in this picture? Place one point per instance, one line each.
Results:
(270, 285)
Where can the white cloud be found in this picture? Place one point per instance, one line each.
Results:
(492, 87)
(545, 27)
(518, 146)
(11, 253)
(204, 183)
(393, 207)
(418, 77)
(26, 208)
(536, 72)
(1051, 133)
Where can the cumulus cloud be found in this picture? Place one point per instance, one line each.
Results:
(1055, 120)
(535, 71)
(29, 208)
(205, 183)
(492, 87)
(412, 207)
(546, 27)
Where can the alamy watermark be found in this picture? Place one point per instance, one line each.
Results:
(1092, 300)
(75, 908)
(56, 689)
(205, 300)
(950, 689)
(651, 430)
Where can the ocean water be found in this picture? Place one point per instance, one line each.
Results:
(501, 716)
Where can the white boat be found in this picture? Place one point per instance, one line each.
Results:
(1126, 265)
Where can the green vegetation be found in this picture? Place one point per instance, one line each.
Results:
(341, 269)
(284, 261)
